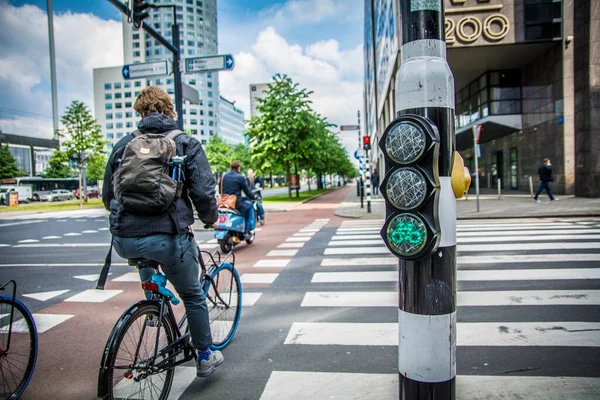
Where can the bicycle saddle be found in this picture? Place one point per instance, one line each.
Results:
(143, 262)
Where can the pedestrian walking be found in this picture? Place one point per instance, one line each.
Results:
(375, 182)
(546, 177)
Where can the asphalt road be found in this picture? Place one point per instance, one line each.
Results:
(323, 324)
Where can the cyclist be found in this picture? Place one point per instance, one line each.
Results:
(256, 183)
(167, 238)
(235, 183)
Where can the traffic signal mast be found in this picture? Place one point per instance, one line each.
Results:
(420, 227)
(139, 12)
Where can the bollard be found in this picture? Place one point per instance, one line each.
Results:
(531, 185)
(499, 188)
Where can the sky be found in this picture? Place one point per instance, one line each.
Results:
(318, 43)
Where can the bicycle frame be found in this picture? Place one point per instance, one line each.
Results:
(12, 310)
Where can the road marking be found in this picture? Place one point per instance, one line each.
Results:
(468, 235)
(44, 296)
(211, 241)
(80, 220)
(99, 220)
(341, 231)
(292, 385)
(298, 239)
(90, 277)
(356, 250)
(529, 298)
(291, 245)
(492, 334)
(528, 246)
(355, 242)
(22, 223)
(362, 276)
(63, 245)
(103, 229)
(28, 241)
(364, 222)
(5, 245)
(282, 253)
(90, 231)
(516, 226)
(272, 263)
(258, 278)
(61, 220)
(350, 299)
(483, 239)
(72, 234)
(43, 323)
(339, 262)
(356, 237)
(62, 265)
(250, 299)
(306, 230)
(93, 296)
(545, 234)
(528, 274)
(128, 277)
(527, 258)
(51, 237)
(303, 234)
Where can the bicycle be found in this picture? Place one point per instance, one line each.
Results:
(146, 343)
(18, 345)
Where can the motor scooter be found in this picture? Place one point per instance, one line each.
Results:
(230, 229)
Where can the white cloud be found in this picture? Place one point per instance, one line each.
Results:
(298, 12)
(82, 42)
(334, 75)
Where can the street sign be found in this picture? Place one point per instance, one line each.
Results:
(222, 62)
(190, 94)
(145, 70)
(349, 128)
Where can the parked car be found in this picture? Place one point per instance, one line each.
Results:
(91, 194)
(57, 195)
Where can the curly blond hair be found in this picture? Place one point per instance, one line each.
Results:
(154, 99)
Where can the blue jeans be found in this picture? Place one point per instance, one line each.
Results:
(260, 209)
(544, 186)
(247, 208)
(179, 258)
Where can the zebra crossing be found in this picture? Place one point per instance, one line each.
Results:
(513, 278)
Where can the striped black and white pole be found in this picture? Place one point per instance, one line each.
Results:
(427, 287)
(368, 181)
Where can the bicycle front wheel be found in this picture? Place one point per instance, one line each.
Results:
(224, 301)
(127, 370)
(17, 356)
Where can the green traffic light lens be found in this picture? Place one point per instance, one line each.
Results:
(405, 143)
(407, 234)
(406, 188)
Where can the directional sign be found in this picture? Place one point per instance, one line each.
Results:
(145, 70)
(349, 128)
(222, 62)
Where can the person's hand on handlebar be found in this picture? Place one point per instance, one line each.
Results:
(207, 226)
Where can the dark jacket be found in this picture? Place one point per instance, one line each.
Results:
(545, 172)
(252, 184)
(199, 187)
(235, 183)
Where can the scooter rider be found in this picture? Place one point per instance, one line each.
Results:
(234, 183)
(256, 184)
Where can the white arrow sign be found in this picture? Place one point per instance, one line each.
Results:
(144, 70)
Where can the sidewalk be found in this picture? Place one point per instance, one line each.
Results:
(509, 206)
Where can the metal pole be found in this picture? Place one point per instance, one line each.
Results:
(362, 193)
(499, 189)
(476, 158)
(427, 286)
(52, 69)
(368, 181)
(531, 185)
(177, 72)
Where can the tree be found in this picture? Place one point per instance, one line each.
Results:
(241, 152)
(96, 167)
(219, 154)
(8, 164)
(58, 166)
(84, 135)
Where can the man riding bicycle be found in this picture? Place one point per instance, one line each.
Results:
(167, 237)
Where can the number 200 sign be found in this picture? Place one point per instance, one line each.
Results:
(477, 28)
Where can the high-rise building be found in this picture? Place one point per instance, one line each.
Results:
(526, 71)
(256, 91)
(114, 96)
(231, 122)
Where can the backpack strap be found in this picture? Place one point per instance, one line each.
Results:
(106, 267)
(136, 133)
(174, 133)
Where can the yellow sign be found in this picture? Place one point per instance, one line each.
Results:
(14, 199)
(460, 176)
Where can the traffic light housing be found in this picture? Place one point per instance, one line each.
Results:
(411, 187)
(366, 143)
(139, 12)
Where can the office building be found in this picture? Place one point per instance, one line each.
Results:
(257, 90)
(114, 96)
(231, 122)
(525, 70)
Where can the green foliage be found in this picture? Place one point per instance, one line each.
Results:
(58, 166)
(83, 132)
(241, 152)
(8, 164)
(96, 167)
(219, 154)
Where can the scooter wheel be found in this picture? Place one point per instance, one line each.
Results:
(226, 246)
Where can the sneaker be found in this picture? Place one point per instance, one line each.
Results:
(537, 201)
(207, 362)
(555, 199)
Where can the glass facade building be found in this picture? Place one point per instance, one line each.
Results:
(231, 122)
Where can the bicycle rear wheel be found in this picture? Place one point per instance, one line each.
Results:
(125, 369)
(224, 301)
(17, 358)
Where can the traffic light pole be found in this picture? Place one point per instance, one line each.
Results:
(368, 180)
(427, 286)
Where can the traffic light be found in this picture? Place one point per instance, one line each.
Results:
(139, 13)
(367, 143)
(411, 187)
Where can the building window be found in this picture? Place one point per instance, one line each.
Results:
(119, 125)
(109, 136)
(118, 105)
(109, 146)
(201, 112)
(193, 122)
(137, 94)
(211, 123)
(209, 84)
(203, 141)
(191, 52)
(109, 116)
(136, 53)
(190, 43)
(193, 111)
(128, 104)
(170, 91)
(128, 124)
(202, 122)
(137, 84)
(108, 106)
(128, 114)
(109, 125)
(117, 85)
(119, 135)
(210, 103)
(127, 84)
(118, 95)
(148, 53)
(169, 81)
(199, 3)
(158, 51)
(211, 132)
(135, 36)
(157, 25)
(202, 131)
(119, 115)
(127, 94)
(107, 96)
(194, 131)
(136, 45)
(107, 86)
(189, 9)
